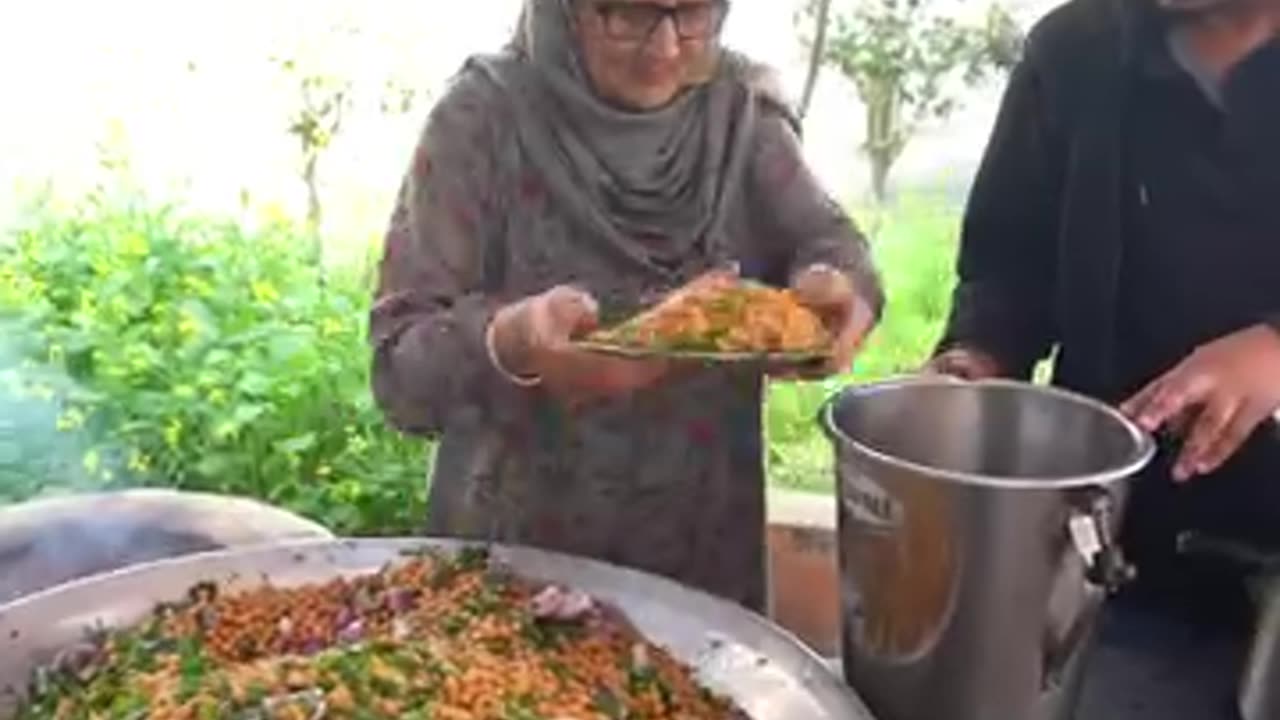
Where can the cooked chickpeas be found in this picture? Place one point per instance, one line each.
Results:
(431, 637)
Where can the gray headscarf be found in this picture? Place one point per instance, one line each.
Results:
(653, 185)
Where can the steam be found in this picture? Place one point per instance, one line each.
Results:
(55, 524)
(46, 448)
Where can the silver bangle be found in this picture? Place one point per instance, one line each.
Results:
(511, 377)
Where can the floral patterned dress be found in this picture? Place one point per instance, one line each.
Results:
(670, 480)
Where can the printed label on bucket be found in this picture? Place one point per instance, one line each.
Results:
(900, 567)
(869, 504)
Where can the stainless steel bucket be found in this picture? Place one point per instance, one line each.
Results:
(976, 524)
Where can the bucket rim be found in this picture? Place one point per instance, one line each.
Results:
(1144, 445)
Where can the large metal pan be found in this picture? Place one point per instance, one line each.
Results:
(763, 668)
(1259, 691)
(49, 541)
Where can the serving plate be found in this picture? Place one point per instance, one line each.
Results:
(708, 356)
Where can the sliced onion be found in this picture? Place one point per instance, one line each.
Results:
(352, 632)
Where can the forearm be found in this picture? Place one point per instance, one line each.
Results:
(428, 366)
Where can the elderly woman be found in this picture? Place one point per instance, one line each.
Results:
(614, 151)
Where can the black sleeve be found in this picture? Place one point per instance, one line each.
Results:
(1003, 302)
(1252, 98)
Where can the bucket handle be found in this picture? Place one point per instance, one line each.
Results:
(1193, 543)
(1105, 564)
(1106, 572)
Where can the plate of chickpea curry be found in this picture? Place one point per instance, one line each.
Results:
(440, 636)
(723, 319)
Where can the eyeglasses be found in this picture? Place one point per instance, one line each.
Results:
(637, 21)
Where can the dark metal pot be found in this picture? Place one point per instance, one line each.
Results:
(1259, 695)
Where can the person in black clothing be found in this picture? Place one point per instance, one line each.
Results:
(1126, 222)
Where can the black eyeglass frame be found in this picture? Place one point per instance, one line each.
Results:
(607, 8)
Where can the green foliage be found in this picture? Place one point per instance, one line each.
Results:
(147, 345)
(198, 353)
(909, 64)
(915, 248)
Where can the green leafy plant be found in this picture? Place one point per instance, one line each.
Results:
(203, 354)
(142, 344)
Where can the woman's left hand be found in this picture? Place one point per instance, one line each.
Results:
(832, 295)
(1222, 392)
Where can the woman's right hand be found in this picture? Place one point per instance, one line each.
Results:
(532, 339)
(965, 363)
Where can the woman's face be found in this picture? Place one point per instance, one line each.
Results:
(641, 53)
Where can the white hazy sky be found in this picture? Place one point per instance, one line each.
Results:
(70, 69)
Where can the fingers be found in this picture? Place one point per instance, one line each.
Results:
(1169, 396)
(576, 377)
(951, 367)
(1205, 432)
(946, 364)
(1180, 425)
(567, 312)
(548, 322)
(861, 322)
(1208, 401)
(825, 289)
(850, 340)
(1235, 435)
(1207, 450)
(963, 363)
(1137, 403)
(850, 337)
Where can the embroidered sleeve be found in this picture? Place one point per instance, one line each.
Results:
(433, 302)
(811, 227)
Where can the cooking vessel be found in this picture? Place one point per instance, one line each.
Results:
(976, 525)
(49, 541)
(767, 671)
(1259, 693)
